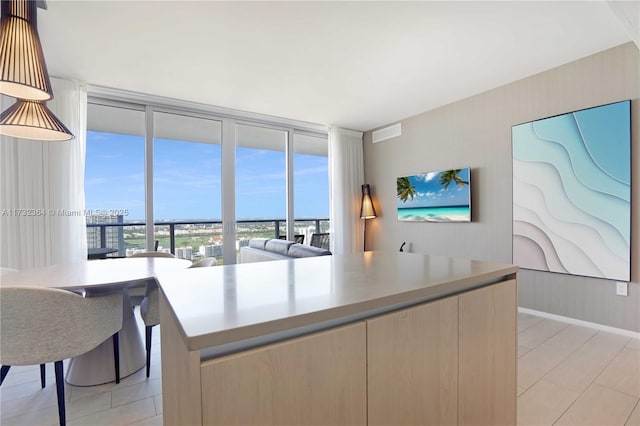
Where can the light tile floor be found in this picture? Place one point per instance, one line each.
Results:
(567, 375)
(572, 375)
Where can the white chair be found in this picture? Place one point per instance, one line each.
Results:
(5, 369)
(137, 293)
(150, 307)
(134, 292)
(40, 325)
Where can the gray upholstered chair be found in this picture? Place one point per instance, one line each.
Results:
(137, 293)
(40, 325)
(150, 307)
(5, 368)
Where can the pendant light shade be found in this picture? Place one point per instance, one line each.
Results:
(23, 75)
(23, 72)
(32, 120)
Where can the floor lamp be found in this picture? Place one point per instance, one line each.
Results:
(367, 211)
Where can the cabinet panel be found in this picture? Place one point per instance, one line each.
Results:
(180, 374)
(316, 379)
(487, 386)
(413, 365)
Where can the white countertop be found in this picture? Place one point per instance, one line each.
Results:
(226, 304)
(93, 273)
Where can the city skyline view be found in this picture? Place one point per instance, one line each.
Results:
(187, 180)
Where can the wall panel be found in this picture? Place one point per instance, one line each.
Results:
(476, 132)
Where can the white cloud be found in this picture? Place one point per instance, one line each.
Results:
(429, 194)
(427, 176)
(430, 176)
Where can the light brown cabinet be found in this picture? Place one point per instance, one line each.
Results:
(487, 355)
(412, 366)
(449, 361)
(319, 379)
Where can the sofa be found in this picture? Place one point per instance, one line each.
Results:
(265, 249)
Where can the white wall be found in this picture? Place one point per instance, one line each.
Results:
(476, 132)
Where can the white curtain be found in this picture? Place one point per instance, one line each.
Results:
(42, 203)
(346, 170)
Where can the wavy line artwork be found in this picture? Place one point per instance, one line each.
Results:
(572, 193)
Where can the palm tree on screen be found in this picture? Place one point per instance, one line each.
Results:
(449, 176)
(405, 189)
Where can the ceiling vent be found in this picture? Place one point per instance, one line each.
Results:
(387, 133)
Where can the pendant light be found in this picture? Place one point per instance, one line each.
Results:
(23, 72)
(23, 75)
(32, 120)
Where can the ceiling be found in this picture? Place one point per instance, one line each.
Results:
(357, 65)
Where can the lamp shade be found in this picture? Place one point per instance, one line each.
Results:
(32, 120)
(23, 72)
(366, 209)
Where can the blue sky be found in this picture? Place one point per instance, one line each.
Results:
(430, 193)
(187, 180)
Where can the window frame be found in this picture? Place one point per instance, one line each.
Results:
(229, 119)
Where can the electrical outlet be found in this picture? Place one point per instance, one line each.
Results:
(622, 289)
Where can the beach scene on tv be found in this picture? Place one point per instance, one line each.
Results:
(441, 196)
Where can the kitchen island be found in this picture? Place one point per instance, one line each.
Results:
(369, 338)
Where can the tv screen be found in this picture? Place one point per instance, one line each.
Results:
(439, 196)
(572, 193)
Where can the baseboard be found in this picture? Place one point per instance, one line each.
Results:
(596, 326)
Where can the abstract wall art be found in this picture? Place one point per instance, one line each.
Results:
(572, 193)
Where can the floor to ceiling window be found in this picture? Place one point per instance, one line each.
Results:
(187, 185)
(260, 175)
(114, 179)
(207, 182)
(311, 185)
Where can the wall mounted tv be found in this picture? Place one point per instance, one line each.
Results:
(572, 193)
(438, 196)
